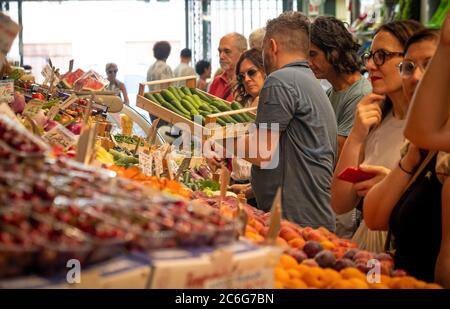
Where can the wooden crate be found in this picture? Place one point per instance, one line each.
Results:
(172, 117)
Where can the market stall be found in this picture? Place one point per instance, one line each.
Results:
(84, 179)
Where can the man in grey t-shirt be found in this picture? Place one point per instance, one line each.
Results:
(302, 158)
(334, 57)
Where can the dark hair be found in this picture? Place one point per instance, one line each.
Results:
(331, 36)
(420, 36)
(201, 66)
(291, 30)
(186, 53)
(402, 30)
(161, 50)
(255, 56)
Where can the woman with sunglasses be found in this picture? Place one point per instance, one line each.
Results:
(114, 84)
(377, 133)
(250, 78)
(408, 200)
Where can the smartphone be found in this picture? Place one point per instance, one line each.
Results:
(354, 175)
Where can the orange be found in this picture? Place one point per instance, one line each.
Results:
(378, 286)
(341, 284)
(278, 285)
(406, 282)
(288, 261)
(330, 276)
(294, 273)
(296, 284)
(281, 275)
(351, 272)
(356, 283)
(433, 286)
(314, 277)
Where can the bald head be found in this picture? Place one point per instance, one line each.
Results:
(231, 46)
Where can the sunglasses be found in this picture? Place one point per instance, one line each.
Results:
(111, 72)
(380, 56)
(250, 73)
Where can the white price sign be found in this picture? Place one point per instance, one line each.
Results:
(60, 136)
(145, 163)
(6, 91)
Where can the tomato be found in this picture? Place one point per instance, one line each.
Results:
(38, 96)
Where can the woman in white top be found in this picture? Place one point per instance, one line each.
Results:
(114, 84)
(377, 135)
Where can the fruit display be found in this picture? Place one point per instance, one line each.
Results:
(292, 273)
(191, 102)
(155, 182)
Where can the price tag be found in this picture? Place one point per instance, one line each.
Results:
(8, 32)
(49, 74)
(183, 166)
(275, 219)
(6, 91)
(158, 157)
(53, 111)
(60, 136)
(68, 101)
(146, 163)
(32, 108)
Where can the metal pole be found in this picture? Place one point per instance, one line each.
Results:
(186, 16)
(19, 3)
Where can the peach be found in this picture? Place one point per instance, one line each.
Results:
(281, 242)
(288, 233)
(297, 243)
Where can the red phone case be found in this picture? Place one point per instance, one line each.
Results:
(354, 175)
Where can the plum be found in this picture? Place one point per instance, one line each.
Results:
(311, 248)
(343, 263)
(350, 253)
(325, 258)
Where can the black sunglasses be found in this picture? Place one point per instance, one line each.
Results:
(250, 73)
(110, 72)
(380, 56)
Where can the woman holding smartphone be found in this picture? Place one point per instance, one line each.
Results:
(376, 138)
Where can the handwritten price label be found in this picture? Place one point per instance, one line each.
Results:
(6, 91)
(146, 163)
(32, 108)
(158, 157)
(60, 136)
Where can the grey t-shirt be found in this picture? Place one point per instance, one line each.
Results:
(293, 98)
(158, 71)
(344, 103)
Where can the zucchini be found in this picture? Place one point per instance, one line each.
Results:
(187, 105)
(186, 90)
(169, 106)
(205, 108)
(201, 95)
(192, 101)
(236, 105)
(173, 90)
(173, 100)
